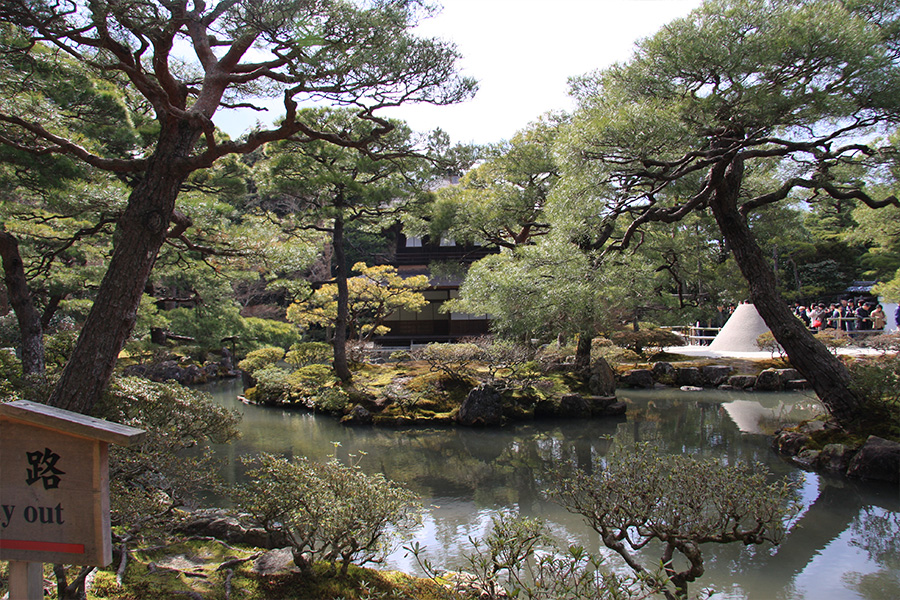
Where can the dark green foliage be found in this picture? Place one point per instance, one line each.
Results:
(267, 332)
(648, 338)
(149, 481)
(877, 381)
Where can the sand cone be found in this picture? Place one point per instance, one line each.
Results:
(740, 331)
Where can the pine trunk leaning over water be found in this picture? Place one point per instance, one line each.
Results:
(825, 373)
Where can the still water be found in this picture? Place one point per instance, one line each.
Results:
(844, 545)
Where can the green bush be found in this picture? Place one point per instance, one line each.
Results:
(767, 343)
(260, 359)
(58, 348)
(333, 400)
(309, 353)
(11, 380)
(885, 342)
(637, 495)
(519, 559)
(208, 325)
(510, 364)
(272, 386)
(9, 330)
(605, 348)
(332, 512)
(306, 382)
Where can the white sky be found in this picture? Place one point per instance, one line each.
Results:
(522, 52)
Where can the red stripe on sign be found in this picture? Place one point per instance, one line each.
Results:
(41, 546)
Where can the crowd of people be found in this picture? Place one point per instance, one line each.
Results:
(853, 314)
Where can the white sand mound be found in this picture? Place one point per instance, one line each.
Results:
(740, 331)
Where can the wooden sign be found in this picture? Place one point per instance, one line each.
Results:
(54, 484)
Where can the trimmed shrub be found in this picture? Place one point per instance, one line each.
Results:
(333, 400)
(272, 385)
(330, 512)
(309, 353)
(260, 359)
(454, 360)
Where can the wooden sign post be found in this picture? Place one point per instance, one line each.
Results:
(54, 490)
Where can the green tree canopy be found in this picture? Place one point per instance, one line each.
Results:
(501, 201)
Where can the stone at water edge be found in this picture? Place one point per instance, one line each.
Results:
(878, 459)
(482, 407)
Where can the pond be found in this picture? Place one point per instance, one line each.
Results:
(845, 544)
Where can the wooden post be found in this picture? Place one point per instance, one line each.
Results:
(26, 580)
(54, 490)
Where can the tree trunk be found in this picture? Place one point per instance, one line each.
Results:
(339, 340)
(31, 333)
(825, 372)
(583, 354)
(139, 235)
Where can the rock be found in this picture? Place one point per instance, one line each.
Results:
(227, 361)
(574, 406)
(715, 375)
(600, 404)
(796, 384)
(878, 459)
(615, 409)
(789, 374)
(482, 407)
(233, 529)
(639, 378)
(835, 458)
(275, 562)
(358, 415)
(545, 407)
(688, 376)
(790, 442)
(602, 381)
(742, 382)
(690, 388)
(664, 373)
(813, 426)
(806, 458)
(769, 381)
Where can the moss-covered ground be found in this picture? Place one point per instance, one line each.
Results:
(213, 570)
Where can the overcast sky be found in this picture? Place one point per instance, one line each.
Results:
(522, 52)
